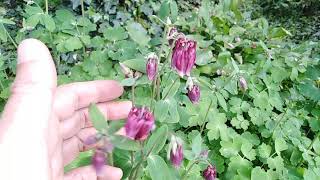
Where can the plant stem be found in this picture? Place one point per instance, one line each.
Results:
(187, 171)
(158, 88)
(310, 146)
(82, 8)
(47, 6)
(110, 159)
(171, 87)
(205, 118)
(132, 93)
(11, 39)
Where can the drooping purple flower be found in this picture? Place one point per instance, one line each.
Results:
(184, 56)
(210, 173)
(152, 66)
(171, 35)
(98, 161)
(139, 123)
(194, 93)
(243, 84)
(176, 151)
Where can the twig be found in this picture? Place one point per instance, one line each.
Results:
(205, 118)
(171, 87)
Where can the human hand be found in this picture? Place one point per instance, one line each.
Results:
(43, 126)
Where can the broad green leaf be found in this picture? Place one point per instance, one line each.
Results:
(248, 151)
(97, 118)
(128, 82)
(280, 145)
(122, 160)
(157, 140)
(33, 20)
(221, 101)
(73, 43)
(138, 33)
(174, 10)
(204, 57)
(158, 169)
(171, 87)
(125, 143)
(264, 150)
(196, 145)
(161, 110)
(279, 33)
(138, 64)
(258, 173)
(164, 10)
(48, 22)
(115, 33)
(3, 34)
(217, 127)
(173, 111)
(229, 149)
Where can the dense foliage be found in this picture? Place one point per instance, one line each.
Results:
(268, 130)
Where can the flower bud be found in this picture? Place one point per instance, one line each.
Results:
(126, 71)
(194, 94)
(105, 145)
(139, 123)
(176, 151)
(184, 56)
(172, 35)
(210, 173)
(152, 66)
(98, 161)
(243, 84)
(93, 139)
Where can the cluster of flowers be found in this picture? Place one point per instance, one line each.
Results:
(140, 121)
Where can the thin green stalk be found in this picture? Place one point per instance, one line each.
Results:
(11, 39)
(47, 6)
(310, 146)
(110, 159)
(205, 118)
(188, 170)
(132, 93)
(82, 8)
(171, 87)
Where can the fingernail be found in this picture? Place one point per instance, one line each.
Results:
(32, 50)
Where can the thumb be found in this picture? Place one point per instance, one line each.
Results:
(25, 119)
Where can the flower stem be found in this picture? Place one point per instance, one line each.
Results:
(82, 8)
(110, 159)
(132, 93)
(47, 6)
(205, 118)
(171, 87)
(188, 170)
(11, 39)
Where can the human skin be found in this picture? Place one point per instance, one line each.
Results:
(43, 125)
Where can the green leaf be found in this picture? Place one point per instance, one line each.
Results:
(248, 151)
(125, 143)
(122, 160)
(280, 145)
(3, 34)
(204, 57)
(115, 33)
(157, 140)
(73, 43)
(217, 127)
(161, 110)
(196, 145)
(83, 159)
(258, 173)
(138, 64)
(158, 169)
(171, 89)
(33, 20)
(164, 10)
(128, 82)
(222, 101)
(279, 33)
(174, 116)
(264, 150)
(138, 33)
(97, 118)
(48, 22)
(6, 21)
(174, 10)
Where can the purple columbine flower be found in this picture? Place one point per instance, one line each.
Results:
(210, 173)
(152, 66)
(243, 84)
(139, 123)
(194, 93)
(98, 161)
(175, 151)
(184, 56)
